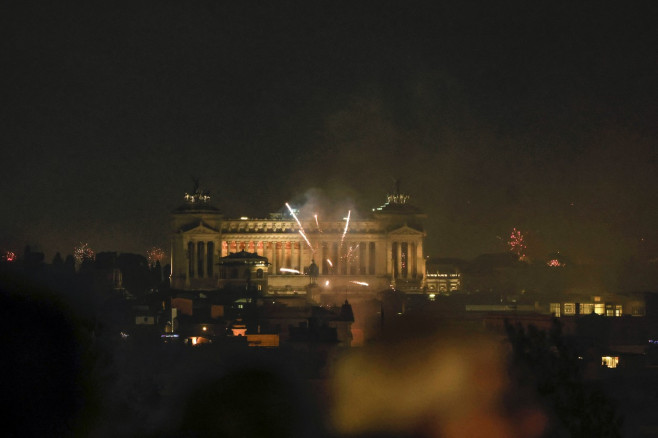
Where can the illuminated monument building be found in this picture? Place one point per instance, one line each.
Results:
(349, 255)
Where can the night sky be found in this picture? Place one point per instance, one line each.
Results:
(494, 115)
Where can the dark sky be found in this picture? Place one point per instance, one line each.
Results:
(494, 115)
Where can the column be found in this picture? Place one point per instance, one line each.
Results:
(173, 268)
(293, 255)
(322, 263)
(389, 258)
(210, 258)
(404, 259)
(274, 258)
(300, 249)
(188, 249)
(372, 255)
(399, 259)
(411, 255)
(191, 249)
(200, 252)
(280, 252)
(366, 258)
(420, 264)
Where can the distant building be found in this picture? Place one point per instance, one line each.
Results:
(443, 278)
(356, 253)
(606, 305)
(243, 269)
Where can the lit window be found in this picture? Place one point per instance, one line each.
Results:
(638, 311)
(618, 310)
(586, 308)
(555, 309)
(569, 309)
(599, 308)
(610, 361)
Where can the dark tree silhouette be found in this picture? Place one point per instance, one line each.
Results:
(58, 261)
(550, 365)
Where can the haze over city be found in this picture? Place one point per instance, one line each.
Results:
(493, 116)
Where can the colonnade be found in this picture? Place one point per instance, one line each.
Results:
(332, 257)
(405, 259)
(200, 259)
(347, 258)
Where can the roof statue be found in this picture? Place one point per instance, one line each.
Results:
(397, 203)
(197, 195)
(197, 200)
(397, 197)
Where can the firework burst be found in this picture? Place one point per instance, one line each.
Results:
(155, 255)
(82, 252)
(517, 244)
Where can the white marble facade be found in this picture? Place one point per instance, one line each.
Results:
(384, 249)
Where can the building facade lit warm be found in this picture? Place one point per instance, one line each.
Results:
(355, 253)
(606, 305)
(442, 278)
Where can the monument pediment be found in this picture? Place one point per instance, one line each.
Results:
(406, 230)
(199, 228)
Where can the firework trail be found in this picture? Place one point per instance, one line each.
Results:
(294, 271)
(347, 224)
(301, 228)
(317, 223)
(307, 241)
(361, 283)
(294, 215)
